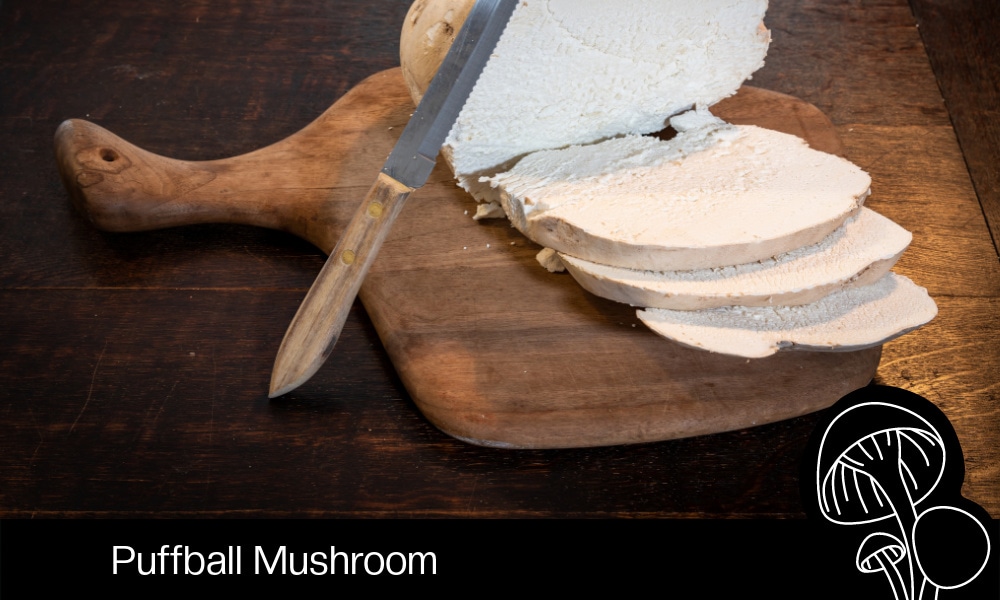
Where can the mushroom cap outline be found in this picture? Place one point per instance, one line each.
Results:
(860, 423)
(876, 543)
(963, 574)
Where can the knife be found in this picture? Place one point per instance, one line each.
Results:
(316, 326)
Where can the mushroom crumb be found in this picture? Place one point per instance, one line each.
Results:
(491, 210)
(548, 258)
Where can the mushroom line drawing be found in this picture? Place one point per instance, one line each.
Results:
(955, 518)
(902, 457)
(889, 462)
(882, 552)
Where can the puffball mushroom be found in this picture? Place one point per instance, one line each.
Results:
(428, 32)
(556, 132)
(578, 71)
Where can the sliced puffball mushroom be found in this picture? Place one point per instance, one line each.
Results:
(578, 71)
(850, 319)
(859, 253)
(714, 195)
(554, 133)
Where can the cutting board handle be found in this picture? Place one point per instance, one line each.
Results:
(308, 184)
(121, 187)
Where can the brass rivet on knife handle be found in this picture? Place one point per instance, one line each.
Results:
(315, 329)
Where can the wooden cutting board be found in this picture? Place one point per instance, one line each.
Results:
(493, 349)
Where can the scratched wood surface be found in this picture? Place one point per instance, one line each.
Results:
(135, 366)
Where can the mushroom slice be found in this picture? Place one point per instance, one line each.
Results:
(858, 253)
(714, 195)
(850, 319)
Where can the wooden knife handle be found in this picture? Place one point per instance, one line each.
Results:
(320, 319)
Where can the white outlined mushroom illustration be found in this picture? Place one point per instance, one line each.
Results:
(879, 464)
(949, 576)
(882, 552)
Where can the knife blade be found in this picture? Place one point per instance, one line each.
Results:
(316, 326)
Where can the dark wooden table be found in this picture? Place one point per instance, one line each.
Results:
(134, 367)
